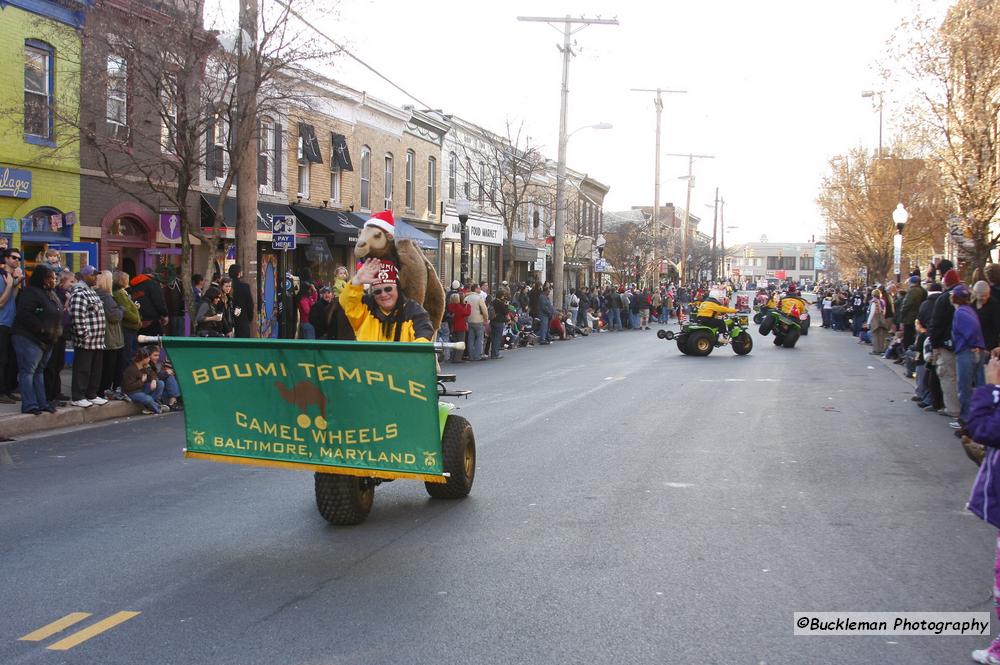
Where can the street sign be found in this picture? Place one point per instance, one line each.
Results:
(282, 232)
(601, 265)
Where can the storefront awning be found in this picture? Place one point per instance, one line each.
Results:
(406, 231)
(265, 210)
(338, 226)
(524, 250)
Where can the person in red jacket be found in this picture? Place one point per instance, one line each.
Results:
(459, 312)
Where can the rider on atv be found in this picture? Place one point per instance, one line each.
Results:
(792, 304)
(711, 312)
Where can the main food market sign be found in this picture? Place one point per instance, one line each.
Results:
(15, 183)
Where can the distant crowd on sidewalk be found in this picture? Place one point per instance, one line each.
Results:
(941, 328)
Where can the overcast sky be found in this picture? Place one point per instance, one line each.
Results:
(774, 89)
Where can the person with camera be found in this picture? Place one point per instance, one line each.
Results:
(11, 282)
(208, 319)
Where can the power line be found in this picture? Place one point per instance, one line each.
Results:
(344, 49)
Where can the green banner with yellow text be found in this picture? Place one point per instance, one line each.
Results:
(360, 406)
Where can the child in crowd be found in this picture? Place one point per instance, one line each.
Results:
(140, 384)
(340, 281)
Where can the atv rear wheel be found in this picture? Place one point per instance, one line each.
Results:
(700, 343)
(458, 450)
(682, 343)
(778, 339)
(742, 343)
(790, 338)
(344, 500)
(766, 325)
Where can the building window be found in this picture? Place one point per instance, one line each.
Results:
(431, 186)
(452, 176)
(366, 177)
(117, 94)
(38, 90)
(482, 184)
(781, 263)
(303, 169)
(388, 182)
(410, 163)
(807, 263)
(468, 178)
(215, 147)
(265, 136)
(334, 182)
(168, 104)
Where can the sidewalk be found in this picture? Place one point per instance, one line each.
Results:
(13, 423)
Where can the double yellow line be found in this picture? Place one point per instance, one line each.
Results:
(81, 635)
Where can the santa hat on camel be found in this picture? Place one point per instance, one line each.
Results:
(383, 220)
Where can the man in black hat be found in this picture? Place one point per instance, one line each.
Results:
(243, 304)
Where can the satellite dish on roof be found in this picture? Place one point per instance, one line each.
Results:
(763, 238)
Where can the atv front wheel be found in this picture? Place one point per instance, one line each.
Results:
(700, 343)
(778, 339)
(766, 325)
(344, 500)
(458, 449)
(743, 344)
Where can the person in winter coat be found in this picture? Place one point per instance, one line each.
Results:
(983, 426)
(148, 293)
(131, 322)
(545, 313)
(988, 309)
(970, 352)
(57, 359)
(208, 317)
(459, 312)
(89, 324)
(915, 296)
(385, 314)
(943, 354)
(36, 327)
(114, 338)
(242, 301)
(308, 296)
(141, 384)
(877, 323)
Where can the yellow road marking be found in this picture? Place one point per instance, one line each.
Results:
(55, 627)
(91, 631)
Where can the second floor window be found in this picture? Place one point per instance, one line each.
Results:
(264, 142)
(168, 107)
(38, 90)
(117, 90)
(303, 170)
(388, 182)
(410, 159)
(431, 186)
(334, 182)
(452, 176)
(366, 177)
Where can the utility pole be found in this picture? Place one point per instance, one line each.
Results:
(715, 225)
(559, 248)
(722, 225)
(687, 208)
(658, 103)
(244, 148)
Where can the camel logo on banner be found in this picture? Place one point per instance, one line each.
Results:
(15, 183)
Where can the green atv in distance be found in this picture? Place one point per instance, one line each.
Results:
(786, 328)
(697, 339)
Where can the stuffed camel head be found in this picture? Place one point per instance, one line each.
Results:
(372, 241)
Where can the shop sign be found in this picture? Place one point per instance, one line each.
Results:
(170, 225)
(282, 232)
(480, 231)
(15, 183)
(601, 265)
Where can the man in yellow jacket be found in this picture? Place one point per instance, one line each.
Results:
(385, 314)
(710, 313)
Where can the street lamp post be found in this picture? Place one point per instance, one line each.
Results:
(900, 216)
(462, 208)
(559, 242)
(873, 94)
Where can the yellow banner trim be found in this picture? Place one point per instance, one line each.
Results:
(319, 468)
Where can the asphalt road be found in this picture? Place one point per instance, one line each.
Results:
(631, 505)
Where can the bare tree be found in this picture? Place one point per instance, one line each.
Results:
(858, 198)
(159, 105)
(506, 170)
(953, 66)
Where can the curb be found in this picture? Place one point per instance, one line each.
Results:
(70, 416)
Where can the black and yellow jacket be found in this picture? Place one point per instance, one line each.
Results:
(366, 318)
(712, 310)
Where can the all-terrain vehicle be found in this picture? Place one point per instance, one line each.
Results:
(698, 339)
(787, 327)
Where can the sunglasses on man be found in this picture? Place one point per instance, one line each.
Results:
(16, 257)
(385, 289)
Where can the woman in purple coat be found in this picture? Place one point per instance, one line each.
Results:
(983, 426)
